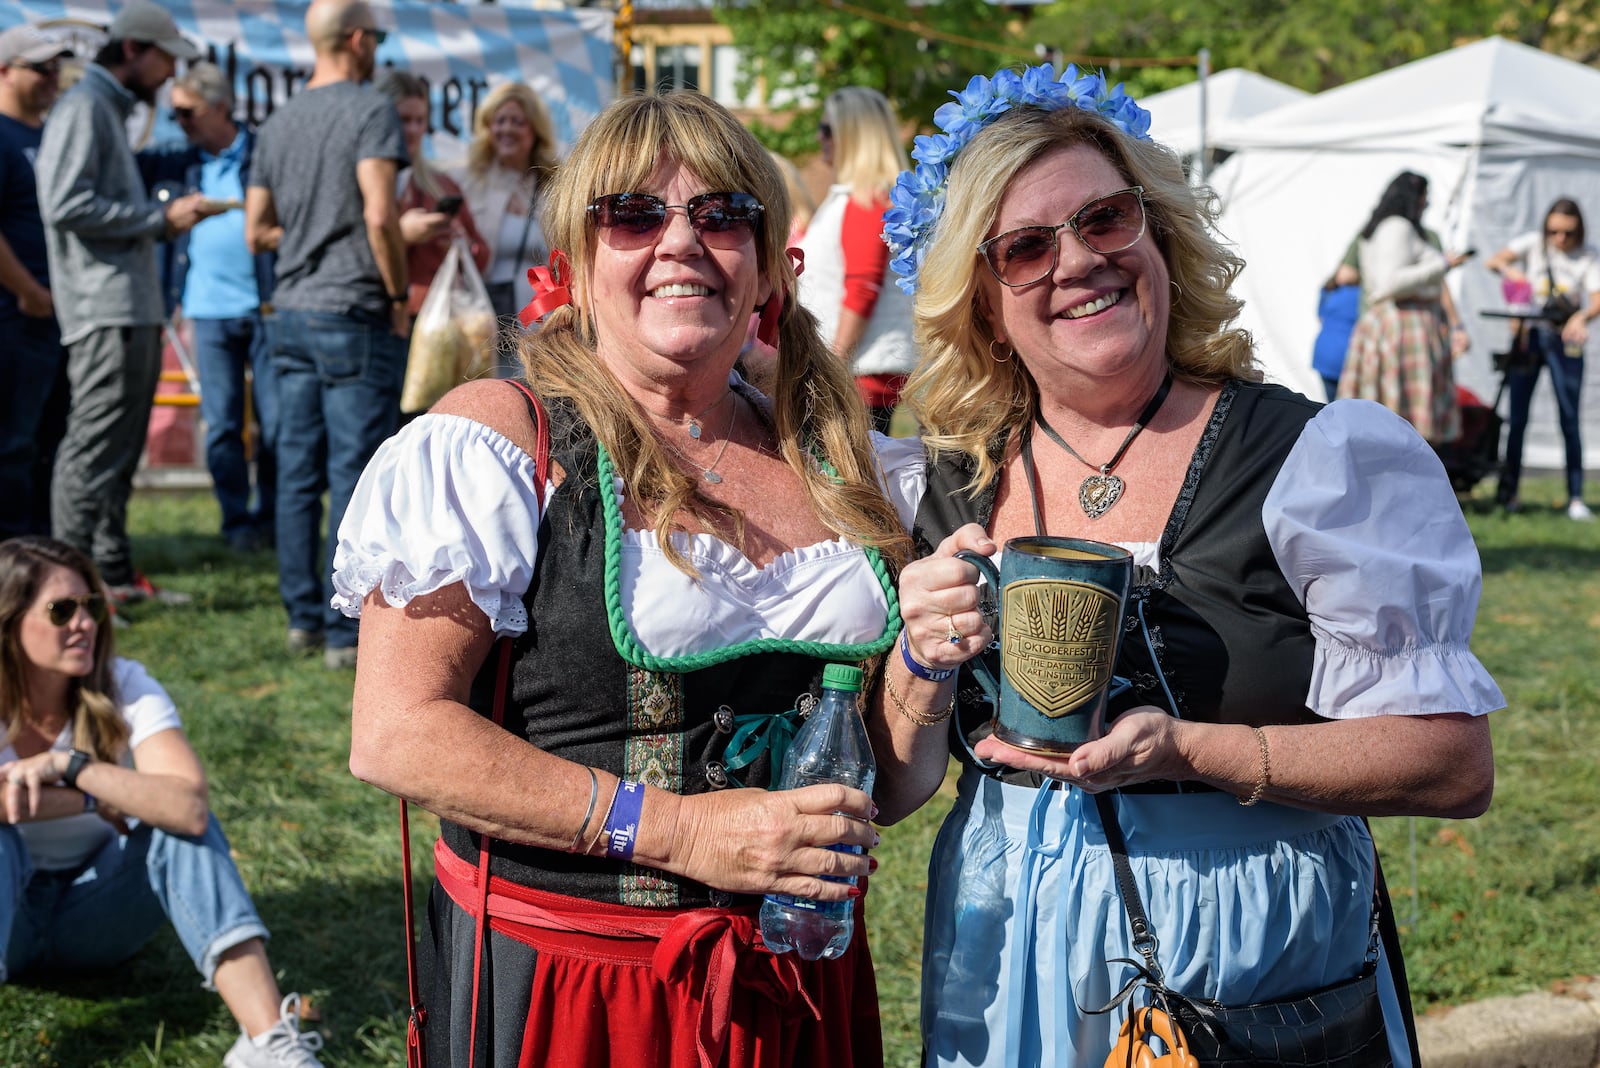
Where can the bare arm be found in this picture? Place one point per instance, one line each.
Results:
(1505, 263)
(935, 593)
(261, 230)
(166, 787)
(33, 299)
(848, 335)
(376, 178)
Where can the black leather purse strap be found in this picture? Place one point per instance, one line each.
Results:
(1144, 939)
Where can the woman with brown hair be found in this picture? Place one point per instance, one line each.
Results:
(575, 664)
(104, 827)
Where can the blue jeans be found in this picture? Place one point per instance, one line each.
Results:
(223, 349)
(338, 398)
(1566, 379)
(100, 914)
(29, 373)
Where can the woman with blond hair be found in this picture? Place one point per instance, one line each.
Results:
(509, 164)
(1295, 644)
(866, 322)
(675, 576)
(105, 832)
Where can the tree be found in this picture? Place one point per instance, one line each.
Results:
(801, 50)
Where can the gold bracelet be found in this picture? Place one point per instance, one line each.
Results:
(921, 719)
(583, 825)
(1265, 779)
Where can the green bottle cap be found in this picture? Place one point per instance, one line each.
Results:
(842, 677)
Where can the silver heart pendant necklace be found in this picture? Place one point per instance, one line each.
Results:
(1098, 492)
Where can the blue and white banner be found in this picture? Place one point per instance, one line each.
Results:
(461, 50)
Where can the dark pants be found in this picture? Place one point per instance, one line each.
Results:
(338, 398)
(112, 374)
(33, 388)
(1566, 378)
(224, 349)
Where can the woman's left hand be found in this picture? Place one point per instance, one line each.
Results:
(1576, 332)
(23, 779)
(1142, 745)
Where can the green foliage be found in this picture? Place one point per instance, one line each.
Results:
(802, 51)
(1498, 905)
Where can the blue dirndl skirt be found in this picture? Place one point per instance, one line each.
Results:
(1023, 915)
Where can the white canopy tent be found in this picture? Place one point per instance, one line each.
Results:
(1499, 129)
(1231, 96)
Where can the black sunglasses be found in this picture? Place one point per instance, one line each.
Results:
(378, 36)
(633, 220)
(47, 68)
(182, 114)
(824, 130)
(65, 610)
(1105, 225)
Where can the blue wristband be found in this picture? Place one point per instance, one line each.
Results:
(89, 803)
(622, 822)
(931, 674)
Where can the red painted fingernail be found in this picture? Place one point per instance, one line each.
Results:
(874, 813)
(872, 865)
(855, 891)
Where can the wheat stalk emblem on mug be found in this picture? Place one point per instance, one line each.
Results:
(1056, 640)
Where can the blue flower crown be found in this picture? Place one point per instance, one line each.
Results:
(919, 194)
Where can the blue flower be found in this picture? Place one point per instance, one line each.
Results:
(918, 196)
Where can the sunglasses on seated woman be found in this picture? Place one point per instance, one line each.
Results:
(1108, 224)
(65, 609)
(633, 220)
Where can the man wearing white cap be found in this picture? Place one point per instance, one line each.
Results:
(101, 229)
(30, 70)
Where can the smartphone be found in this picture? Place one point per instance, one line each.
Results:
(448, 205)
(1469, 253)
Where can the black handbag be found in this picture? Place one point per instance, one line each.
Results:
(1558, 307)
(1521, 356)
(1338, 1026)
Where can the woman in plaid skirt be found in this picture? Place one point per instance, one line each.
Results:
(1402, 348)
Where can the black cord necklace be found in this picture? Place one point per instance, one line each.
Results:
(1098, 492)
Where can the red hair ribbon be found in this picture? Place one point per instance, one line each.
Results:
(767, 329)
(549, 288)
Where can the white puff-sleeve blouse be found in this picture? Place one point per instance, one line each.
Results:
(448, 500)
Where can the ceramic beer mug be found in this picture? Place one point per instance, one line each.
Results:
(1059, 605)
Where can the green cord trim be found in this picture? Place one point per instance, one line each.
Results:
(628, 646)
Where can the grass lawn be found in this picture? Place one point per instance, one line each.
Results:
(1490, 906)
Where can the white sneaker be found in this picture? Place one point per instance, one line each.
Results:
(285, 1046)
(1579, 511)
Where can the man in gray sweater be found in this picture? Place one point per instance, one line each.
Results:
(101, 229)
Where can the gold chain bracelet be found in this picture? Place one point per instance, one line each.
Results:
(921, 719)
(1265, 778)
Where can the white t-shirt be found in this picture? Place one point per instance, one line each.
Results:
(1577, 274)
(59, 845)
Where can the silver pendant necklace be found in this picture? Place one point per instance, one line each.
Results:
(710, 473)
(1098, 492)
(694, 420)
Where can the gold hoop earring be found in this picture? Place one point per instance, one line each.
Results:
(992, 343)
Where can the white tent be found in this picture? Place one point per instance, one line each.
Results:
(1231, 95)
(1499, 129)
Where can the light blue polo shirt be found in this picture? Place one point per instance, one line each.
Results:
(221, 283)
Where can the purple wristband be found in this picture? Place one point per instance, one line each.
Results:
(622, 822)
(931, 674)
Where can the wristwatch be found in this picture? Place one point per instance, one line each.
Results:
(399, 298)
(75, 764)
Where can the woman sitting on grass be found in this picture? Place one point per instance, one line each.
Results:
(104, 826)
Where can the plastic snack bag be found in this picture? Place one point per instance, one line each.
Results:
(453, 337)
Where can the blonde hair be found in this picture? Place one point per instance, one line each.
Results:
(801, 206)
(816, 411)
(867, 153)
(541, 157)
(964, 399)
(92, 700)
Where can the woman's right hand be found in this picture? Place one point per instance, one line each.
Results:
(418, 226)
(752, 841)
(939, 593)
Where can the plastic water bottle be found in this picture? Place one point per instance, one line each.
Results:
(831, 747)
